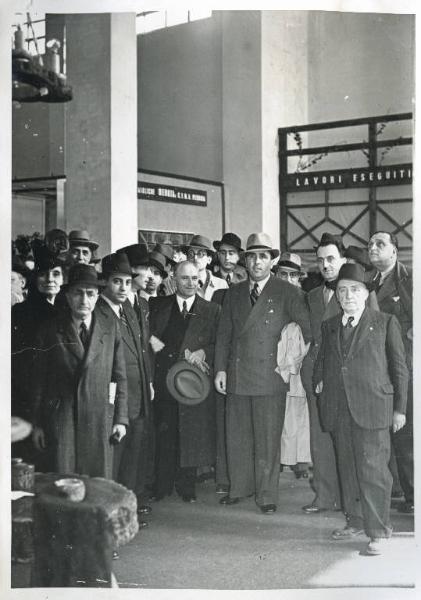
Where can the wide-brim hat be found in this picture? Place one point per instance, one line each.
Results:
(261, 242)
(117, 262)
(166, 250)
(81, 274)
(45, 260)
(290, 261)
(81, 237)
(136, 253)
(353, 272)
(230, 239)
(199, 241)
(187, 383)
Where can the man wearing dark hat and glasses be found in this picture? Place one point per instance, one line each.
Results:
(79, 386)
(253, 316)
(362, 378)
(133, 455)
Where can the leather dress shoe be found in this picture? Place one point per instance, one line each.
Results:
(142, 524)
(311, 509)
(229, 501)
(346, 533)
(116, 555)
(268, 509)
(144, 509)
(191, 498)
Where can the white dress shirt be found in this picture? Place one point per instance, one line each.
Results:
(189, 302)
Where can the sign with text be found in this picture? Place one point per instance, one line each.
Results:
(349, 178)
(171, 193)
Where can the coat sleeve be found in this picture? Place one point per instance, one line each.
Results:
(209, 348)
(119, 377)
(224, 334)
(398, 370)
(299, 312)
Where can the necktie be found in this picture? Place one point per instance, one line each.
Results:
(228, 279)
(123, 317)
(184, 312)
(83, 334)
(254, 294)
(349, 323)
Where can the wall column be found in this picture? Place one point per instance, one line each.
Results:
(101, 128)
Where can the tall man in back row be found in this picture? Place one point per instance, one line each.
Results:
(253, 315)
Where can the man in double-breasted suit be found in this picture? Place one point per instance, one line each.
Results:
(253, 315)
(133, 454)
(185, 435)
(80, 386)
(362, 379)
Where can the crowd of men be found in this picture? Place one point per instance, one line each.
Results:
(157, 366)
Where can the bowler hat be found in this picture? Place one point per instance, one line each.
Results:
(81, 237)
(136, 253)
(45, 260)
(116, 263)
(81, 274)
(187, 383)
(230, 239)
(261, 242)
(200, 241)
(354, 272)
(291, 261)
(166, 250)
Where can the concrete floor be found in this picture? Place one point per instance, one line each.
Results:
(208, 546)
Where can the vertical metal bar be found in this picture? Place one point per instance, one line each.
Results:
(223, 208)
(372, 163)
(283, 196)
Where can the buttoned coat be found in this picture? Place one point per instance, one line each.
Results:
(247, 338)
(196, 423)
(71, 393)
(373, 376)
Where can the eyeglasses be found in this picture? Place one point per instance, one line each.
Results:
(199, 253)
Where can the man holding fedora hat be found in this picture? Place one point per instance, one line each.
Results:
(200, 253)
(183, 328)
(82, 248)
(133, 456)
(362, 378)
(252, 318)
(228, 251)
(80, 386)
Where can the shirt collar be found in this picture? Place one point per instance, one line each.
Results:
(357, 317)
(188, 301)
(115, 307)
(261, 283)
(145, 295)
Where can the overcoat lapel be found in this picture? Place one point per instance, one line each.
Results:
(261, 305)
(164, 314)
(70, 338)
(361, 332)
(335, 331)
(194, 324)
(388, 288)
(130, 337)
(96, 341)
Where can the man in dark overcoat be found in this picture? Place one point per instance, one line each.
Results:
(185, 435)
(362, 378)
(80, 386)
(132, 454)
(393, 286)
(253, 315)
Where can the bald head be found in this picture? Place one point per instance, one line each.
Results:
(186, 278)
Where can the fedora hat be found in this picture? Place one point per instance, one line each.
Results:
(261, 242)
(82, 274)
(359, 255)
(230, 239)
(156, 259)
(187, 383)
(116, 263)
(166, 250)
(136, 253)
(290, 261)
(81, 237)
(200, 241)
(353, 272)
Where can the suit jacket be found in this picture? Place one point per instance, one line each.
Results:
(247, 338)
(196, 423)
(373, 376)
(71, 393)
(239, 274)
(136, 355)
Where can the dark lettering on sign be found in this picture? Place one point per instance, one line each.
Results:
(171, 193)
(349, 178)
